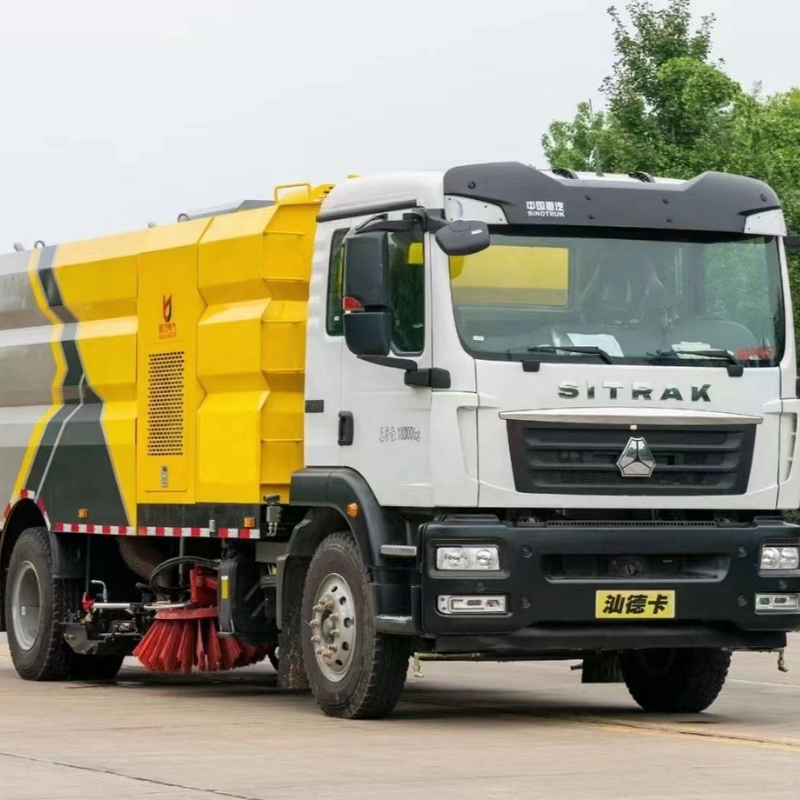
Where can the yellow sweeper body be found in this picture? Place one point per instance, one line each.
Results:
(162, 367)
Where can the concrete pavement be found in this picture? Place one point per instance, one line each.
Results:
(463, 731)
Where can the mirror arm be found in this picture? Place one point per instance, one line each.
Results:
(435, 221)
(389, 225)
(388, 361)
(434, 378)
(432, 220)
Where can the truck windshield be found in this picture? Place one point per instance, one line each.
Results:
(631, 294)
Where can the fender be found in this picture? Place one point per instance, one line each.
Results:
(337, 488)
(332, 490)
(69, 556)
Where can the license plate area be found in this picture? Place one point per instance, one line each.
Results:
(634, 604)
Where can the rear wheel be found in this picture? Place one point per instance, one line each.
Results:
(675, 681)
(37, 604)
(354, 672)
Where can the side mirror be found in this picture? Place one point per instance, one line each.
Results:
(367, 278)
(463, 238)
(367, 295)
(368, 333)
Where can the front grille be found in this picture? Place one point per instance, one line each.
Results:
(551, 458)
(627, 568)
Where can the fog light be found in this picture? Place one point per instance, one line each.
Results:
(472, 604)
(780, 558)
(483, 558)
(777, 603)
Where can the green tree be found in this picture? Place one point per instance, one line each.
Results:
(671, 109)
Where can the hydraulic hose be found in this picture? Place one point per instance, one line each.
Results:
(177, 561)
(142, 558)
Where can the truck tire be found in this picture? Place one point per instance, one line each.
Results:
(354, 672)
(37, 605)
(675, 681)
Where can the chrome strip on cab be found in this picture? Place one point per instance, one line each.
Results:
(630, 416)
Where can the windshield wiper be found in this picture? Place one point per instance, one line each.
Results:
(585, 351)
(724, 354)
(735, 367)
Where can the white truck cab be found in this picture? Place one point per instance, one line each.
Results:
(642, 270)
(560, 410)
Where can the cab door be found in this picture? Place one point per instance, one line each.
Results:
(385, 425)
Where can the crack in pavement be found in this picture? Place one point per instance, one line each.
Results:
(137, 778)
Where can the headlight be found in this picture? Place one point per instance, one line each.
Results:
(780, 558)
(483, 558)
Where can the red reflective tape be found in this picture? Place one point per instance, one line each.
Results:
(161, 531)
(244, 533)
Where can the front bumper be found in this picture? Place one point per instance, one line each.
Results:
(551, 575)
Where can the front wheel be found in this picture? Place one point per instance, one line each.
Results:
(354, 671)
(675, 681)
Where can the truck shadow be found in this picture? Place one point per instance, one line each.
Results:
(434, 703)
(421, 702)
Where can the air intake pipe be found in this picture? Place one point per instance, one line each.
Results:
(142, 557)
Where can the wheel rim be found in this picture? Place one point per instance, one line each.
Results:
(26, 600)
(333, 627)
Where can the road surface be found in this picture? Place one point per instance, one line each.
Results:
(462, 731)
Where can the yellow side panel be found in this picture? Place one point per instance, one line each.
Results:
(98, 283)
(169, 393)
(254, 273)
(229, 357)
(288, 255)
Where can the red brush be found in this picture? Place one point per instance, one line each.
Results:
(182, 638)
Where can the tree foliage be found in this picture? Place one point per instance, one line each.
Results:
(672, 110)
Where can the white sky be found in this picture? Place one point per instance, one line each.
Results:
(118, 112)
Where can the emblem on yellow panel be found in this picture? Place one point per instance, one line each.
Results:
(167, 329)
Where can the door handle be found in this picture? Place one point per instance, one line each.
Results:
(346, 428)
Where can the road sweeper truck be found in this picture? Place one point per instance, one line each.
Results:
(491, 413)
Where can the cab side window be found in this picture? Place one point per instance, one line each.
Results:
(407, 262)
(407, 265)
(334, 324)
